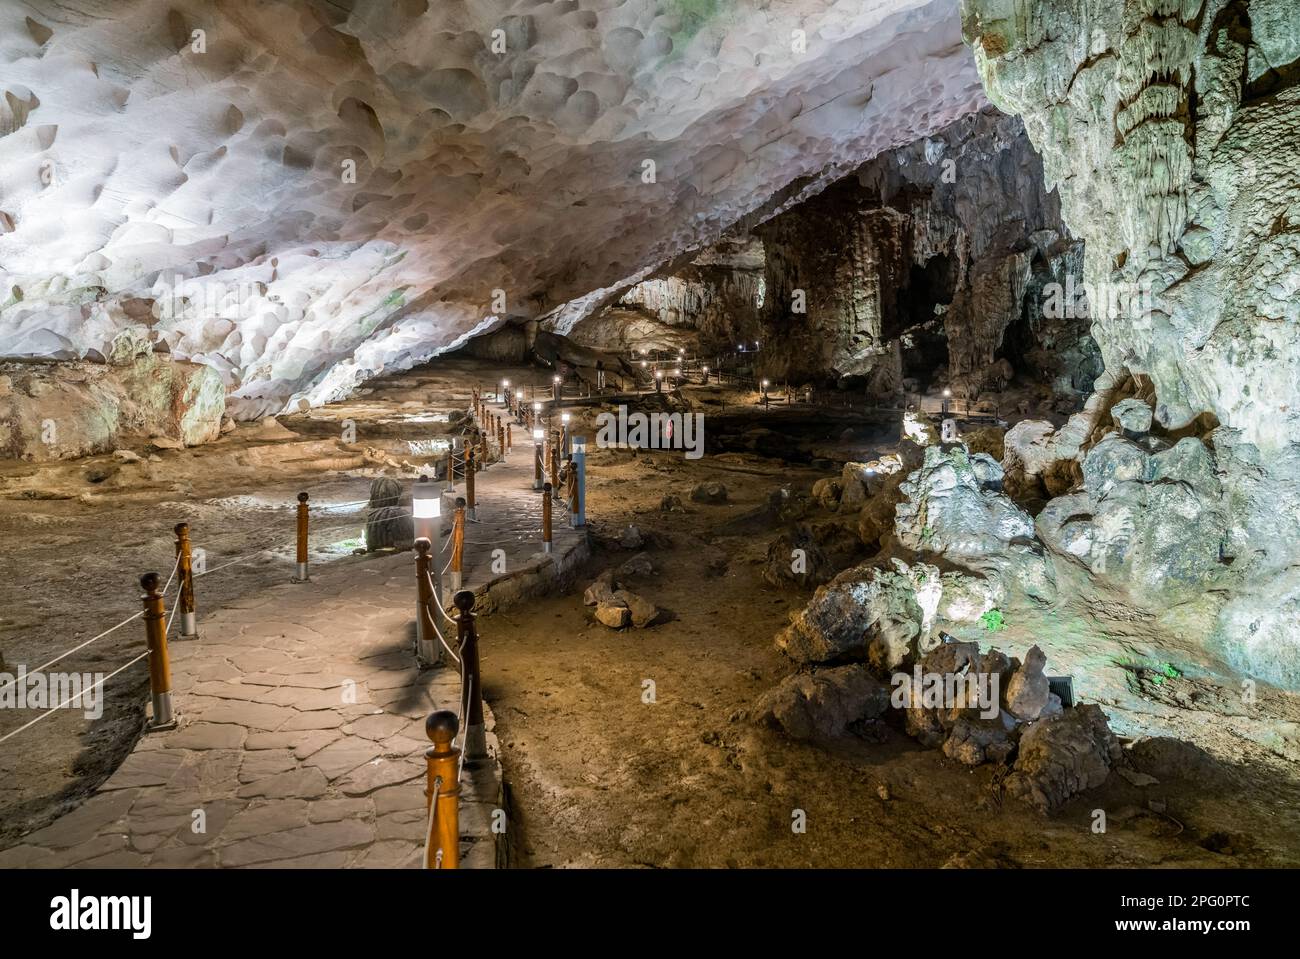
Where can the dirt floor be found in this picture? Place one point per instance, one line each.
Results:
(629, 748)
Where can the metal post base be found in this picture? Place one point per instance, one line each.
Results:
(302, 576)
(163, 717)
(546, 546)
(189, 627)
(475, 744)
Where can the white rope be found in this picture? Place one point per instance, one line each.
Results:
(112, 629)
(428, 834)
(51, 712)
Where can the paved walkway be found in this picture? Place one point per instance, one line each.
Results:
(301, 734)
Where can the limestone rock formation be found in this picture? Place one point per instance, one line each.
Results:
(824, 704)
(1170, 129)
(68, 409)
(1062, 756)
(955, 509)
(300, 221)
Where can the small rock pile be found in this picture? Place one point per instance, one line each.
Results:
(617, 607)
(978, 707)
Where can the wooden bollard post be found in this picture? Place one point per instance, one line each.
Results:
(546, 518)
(160, 669)
(302, 576)
(501, 439)
(185, 570)
(483, 448)
(470, 508)
(467, 636)
(428, 652)
(457, 543)
(442, 844)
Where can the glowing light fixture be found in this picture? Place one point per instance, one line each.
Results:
(538, 435)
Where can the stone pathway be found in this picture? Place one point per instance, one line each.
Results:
(301, 734)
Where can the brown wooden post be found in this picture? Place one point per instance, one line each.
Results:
(483, 448)
(509, 440)
(457, 543)
(302, 576)
(428, 651)
(160, 669)
(467, 635)
(469, 485)
(185, 570)
(442, 844)
(501, 439)
(546, 518)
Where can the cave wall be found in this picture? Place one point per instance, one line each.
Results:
(711, 304)
(1171, 128)
(940, 240)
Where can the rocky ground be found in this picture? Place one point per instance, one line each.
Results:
(638, 747)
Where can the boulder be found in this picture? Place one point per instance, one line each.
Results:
(709, 493)
(1027, 693)
(613, 614)
(826, 493)
(389, 527)
(638, 565)
(823, 705)
(809, 555)
(863, 612)
(601, 590)
(631, 538)
(641, 611)
(1133, 416)
(1061, 756)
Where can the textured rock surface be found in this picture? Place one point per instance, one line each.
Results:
(925, 258)
(59, 410)
(824, 704)
(200, 184)
(1062, 756)
(955, 510)
(1171, 128)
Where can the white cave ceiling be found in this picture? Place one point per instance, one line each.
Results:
(202, 192)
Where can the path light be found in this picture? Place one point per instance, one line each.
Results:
(578, 508)
(659, 380)
(564, 434)
(426, 512)
(538, 437)
(705, 371)
(504, 395)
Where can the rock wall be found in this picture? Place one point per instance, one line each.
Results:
(61, 410)
(712, 303)
(1171, 128)
(951, 239)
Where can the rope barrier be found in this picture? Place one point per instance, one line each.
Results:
(112, 629)
(50, 712)
(428, 832)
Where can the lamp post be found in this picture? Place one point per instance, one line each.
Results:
(564, 434)
(519, 407)
(764, 387)
(504, 395)
(538, 437)
(947, 395)
(556, 387)
(426, 509)
(578, 510)
(705, 371)
(659, 381)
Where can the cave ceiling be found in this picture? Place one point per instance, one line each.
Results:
(305, 194)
